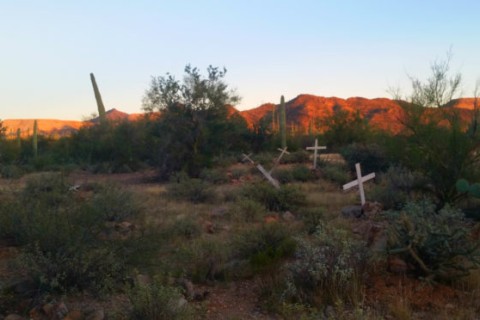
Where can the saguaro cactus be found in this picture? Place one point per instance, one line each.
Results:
(283, 123)
(35, 139)
(19, 139)
(98, 98)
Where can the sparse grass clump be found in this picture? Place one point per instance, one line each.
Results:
(182, 187)
(157, 301)
(265, 247)
(286, 198)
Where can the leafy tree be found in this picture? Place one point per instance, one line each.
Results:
(196, 120)
(437, 139)
(343, 127)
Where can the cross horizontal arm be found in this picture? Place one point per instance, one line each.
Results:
(355, 182)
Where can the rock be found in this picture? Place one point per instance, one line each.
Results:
(372, 209)
(187, 285)
(74, 315)
(97, 314)
(288, 216)
(397, 265)
(14, 317)
(373, 233)
(209, 227)
(182, 302)
(60, 310)
(352, 211)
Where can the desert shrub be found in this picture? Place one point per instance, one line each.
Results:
(302, 173)
(335, 173)
(300, 156)
(60, 239)
(11, 171)
(157, 301)
(283, 175)
(208, 260)
(264, 247)
(437, 243)
(48, 188)
(70, 267)
(396, 186)
(114, 203)
(371, 157)
(311, 217)
(327, 269)
(285, 198)
(247, 210)
(181, 187)
(237, 173)
(213, 175)
(186, 227)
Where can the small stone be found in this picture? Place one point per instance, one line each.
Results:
(352, 211)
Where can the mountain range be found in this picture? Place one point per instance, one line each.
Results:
(302, 114)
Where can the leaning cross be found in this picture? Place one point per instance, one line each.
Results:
(315, 152)
(359, 181)
(277, 161)
(262, 170)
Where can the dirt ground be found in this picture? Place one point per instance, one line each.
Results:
(401, 296)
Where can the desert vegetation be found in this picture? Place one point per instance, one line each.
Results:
(160, 218)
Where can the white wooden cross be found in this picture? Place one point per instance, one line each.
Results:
(359, 181)
(277, 161)
(262, 170)
(315, 149)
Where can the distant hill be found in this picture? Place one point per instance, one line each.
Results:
(303, 113)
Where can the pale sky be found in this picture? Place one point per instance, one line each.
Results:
(269, 47)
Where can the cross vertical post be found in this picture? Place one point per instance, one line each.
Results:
(359, 181)
(315, 152)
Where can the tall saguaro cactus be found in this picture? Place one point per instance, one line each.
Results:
(19, 139)
(283, 123)
(98, 98)
(35, 139)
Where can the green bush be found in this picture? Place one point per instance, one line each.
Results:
(327, 269)
(60, 237)
(11, 171)
(264, 247)
(283, 199)
(247, 210)
(186, 227)
(157, 301)
(181, 187)
(312, 218)
(215, 176)
(437, 243)
(114, 203)
(371, 157)
(396, 186)
(300, 156)
(302, 173)
(336, 173)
